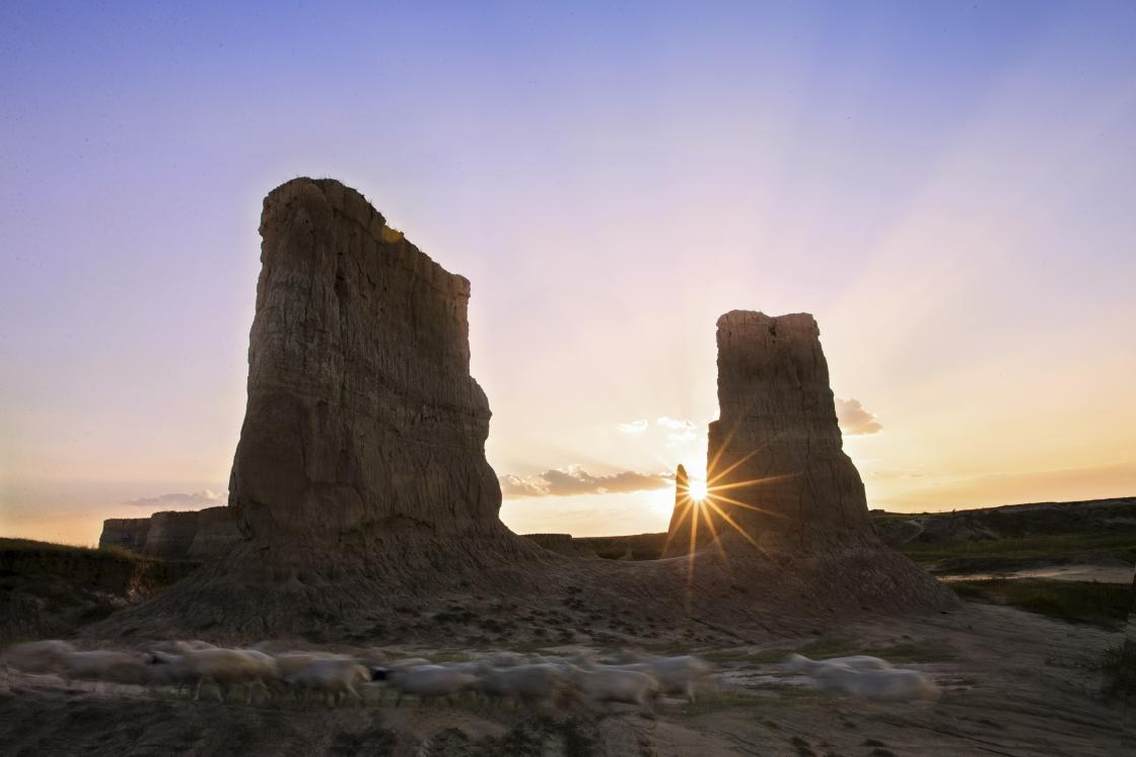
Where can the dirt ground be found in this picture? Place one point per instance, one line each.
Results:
(1014, 683)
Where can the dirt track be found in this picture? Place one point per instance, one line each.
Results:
(1014, 684)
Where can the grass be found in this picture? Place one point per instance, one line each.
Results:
(1099, 604)
(49, 547)
(1116, 544)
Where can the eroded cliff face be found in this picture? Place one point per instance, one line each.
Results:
(127, 533)
(367, 507)
(362, 414)
(775, 458)
(175, 535)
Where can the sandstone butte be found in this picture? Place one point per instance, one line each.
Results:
(776, 468)
(365, 503)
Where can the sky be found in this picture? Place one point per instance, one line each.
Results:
(950, 188)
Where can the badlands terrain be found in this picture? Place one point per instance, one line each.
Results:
(363, 521)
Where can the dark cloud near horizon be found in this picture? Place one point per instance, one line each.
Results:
(854, 419)
(562, 483)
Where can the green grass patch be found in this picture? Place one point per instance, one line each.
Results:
(1118, 544)
(30, 546)
(1099, 604)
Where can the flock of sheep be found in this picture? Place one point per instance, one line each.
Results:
(534, 680)
(335, 678)
(866, 677)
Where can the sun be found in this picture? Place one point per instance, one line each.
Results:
(696, 489)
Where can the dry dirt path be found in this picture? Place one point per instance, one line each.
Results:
(1014, 684)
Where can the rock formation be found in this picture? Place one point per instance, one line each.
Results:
(681, 516)
(216, 534)
(175, 535)
(125, 533)
(359, 480)
(562, 544)
(776, 467)
(362, 415)
(367, 509)
(1006, 522)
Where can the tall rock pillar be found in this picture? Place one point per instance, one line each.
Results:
(776, 466)
(362, 415)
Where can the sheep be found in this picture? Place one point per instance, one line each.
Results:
(617, 685)
(528, 684)
(290, 663)
(104, 665)
(886, 685)
(167, 669)
(406, 662)
(37, 656)
(800, 663)
(192, 645)
(425, 681)
(676, 675)
(218, 666)
(334, 676)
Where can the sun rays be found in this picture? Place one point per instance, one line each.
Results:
(706, 508)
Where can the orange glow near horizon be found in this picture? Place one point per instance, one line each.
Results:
(703, 503)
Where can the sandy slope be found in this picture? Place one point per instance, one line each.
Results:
(1014, 684)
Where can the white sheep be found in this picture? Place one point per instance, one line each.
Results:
(528, 684)
(334, 677)
(676, 675)
(168, 669)
(406, 662)
(886, 685)
(426, 681)
(37, 656)
(614, 684)
(801, 664)
(104, 666)
(231, 667)
(289, 663)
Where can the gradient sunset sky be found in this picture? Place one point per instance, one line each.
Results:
(949, 187)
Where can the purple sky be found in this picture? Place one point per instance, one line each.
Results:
(949, 187)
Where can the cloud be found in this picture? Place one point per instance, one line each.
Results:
(182, 501)
(679, 430)
(854, 419)
(516, 486)
(576, 480)
(634, 427)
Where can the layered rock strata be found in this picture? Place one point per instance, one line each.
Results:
(175, 535)
(362, 414)
(368, 511)
(125, 533)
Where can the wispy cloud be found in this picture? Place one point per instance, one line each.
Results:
(633, 427)
(854, 419)
(575, 480)
(679, 430)
(182, 500)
